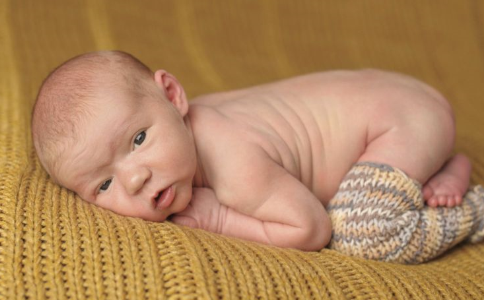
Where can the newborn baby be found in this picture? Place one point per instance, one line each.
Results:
(260, 163)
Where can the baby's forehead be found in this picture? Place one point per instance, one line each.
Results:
(96, 136)
(70, 95)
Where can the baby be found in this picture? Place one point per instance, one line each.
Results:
(260, 163)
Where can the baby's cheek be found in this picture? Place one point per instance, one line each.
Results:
(181, 202)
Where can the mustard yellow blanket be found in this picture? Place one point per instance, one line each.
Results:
(54, 246)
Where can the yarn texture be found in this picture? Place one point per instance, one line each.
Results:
(378, 213)
(55, 246)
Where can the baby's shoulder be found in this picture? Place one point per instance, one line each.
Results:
(231, 155)
(218, 135)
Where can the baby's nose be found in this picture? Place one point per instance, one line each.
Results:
(136, 179)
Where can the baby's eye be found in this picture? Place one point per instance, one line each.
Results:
(104, 187)
(139, 139)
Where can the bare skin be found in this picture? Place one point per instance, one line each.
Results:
(444, 188)
(264, 161)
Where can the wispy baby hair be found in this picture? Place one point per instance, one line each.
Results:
(66, 97)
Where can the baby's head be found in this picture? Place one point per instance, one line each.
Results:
(117, 134)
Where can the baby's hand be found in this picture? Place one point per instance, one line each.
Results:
(204, 211)
(207, 212)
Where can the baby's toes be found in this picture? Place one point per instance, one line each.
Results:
(443, 200)
(458, 200)
(433, 202)
(451, 201)
(427, 192)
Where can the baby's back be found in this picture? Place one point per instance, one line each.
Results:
(315, 126)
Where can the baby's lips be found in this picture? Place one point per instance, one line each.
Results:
(166, 198)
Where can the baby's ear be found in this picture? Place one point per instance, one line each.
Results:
(173, 90)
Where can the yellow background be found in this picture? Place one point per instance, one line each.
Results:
(54, 245)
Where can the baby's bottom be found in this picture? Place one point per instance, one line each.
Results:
(378, 213)
(420, 146)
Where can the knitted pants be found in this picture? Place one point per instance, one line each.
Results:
(378, 213)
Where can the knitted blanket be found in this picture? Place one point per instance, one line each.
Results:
(55, 246)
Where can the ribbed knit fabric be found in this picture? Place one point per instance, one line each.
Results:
(54, 246)
(378, 213)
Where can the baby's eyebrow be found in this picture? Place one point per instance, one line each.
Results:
(113, 143)
(83, 187)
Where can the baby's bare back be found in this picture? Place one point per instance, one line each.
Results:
(315, 126)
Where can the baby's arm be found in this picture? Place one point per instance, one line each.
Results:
(292, 216)
(262, 203)
(206, 212)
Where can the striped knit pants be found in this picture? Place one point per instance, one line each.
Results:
(378, 213)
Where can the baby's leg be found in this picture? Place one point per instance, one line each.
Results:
(447, 187)
(378, 213)
(419, 143)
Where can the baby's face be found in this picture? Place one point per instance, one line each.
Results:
(134, 157)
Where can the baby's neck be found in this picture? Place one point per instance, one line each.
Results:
(199, 178)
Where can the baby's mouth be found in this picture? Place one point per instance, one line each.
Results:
(157, 199)
(158, 196)
(164, 198)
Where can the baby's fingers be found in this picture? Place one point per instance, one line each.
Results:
(185, 221)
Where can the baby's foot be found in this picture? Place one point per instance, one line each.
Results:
(447, 187)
